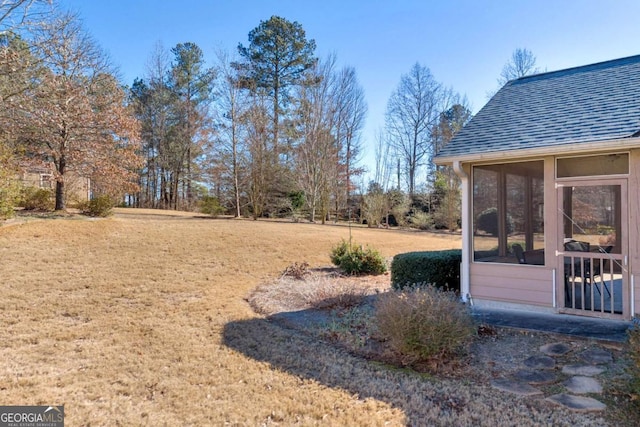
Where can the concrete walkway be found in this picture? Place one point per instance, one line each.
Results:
(587, 327)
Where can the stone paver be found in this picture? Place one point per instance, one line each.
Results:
(577, 403)
(536, 377)
(583, 385)
(516, 387)
(584, 370)
(555, 349)
(596, 356)
(540, 362)
(542, 370)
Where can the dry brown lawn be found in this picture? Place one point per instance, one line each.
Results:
(141, 319)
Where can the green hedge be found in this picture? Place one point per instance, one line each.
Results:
(439, 268)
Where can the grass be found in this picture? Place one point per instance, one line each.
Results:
(142, 319)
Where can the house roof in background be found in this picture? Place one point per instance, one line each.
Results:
(597, 102)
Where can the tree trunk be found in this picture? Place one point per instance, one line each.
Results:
(60, 201)
(189, 195)
(276, 118)
(236, 186)
(60, 204)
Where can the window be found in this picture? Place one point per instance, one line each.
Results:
(46, 180)
(508, 213)
(608, 164)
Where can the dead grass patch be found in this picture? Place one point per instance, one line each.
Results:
(141, 319)
(319, 289)
(123, 320)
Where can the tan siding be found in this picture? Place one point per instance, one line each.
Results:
(512, 283)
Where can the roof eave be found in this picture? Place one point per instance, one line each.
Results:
(554, 150)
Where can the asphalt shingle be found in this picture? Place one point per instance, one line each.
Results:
(591, 103)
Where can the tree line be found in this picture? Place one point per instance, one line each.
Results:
(268, 130)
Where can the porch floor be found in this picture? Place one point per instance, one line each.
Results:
(586, 327)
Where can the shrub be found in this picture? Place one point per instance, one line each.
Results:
(211, 206)
(38, 199)
(488, 222)
(297, 270)
(400, 205)
(511, 244)
(374, 208)
(7, 200)
(353, 259)
(438, 268)
(423, 324)
(297, 199)
(100, 206)
(338, 252)
(9, 187)
(421, 220)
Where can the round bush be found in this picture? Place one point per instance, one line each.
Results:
(100, 206)
(355, 260)
(488, 222)
(38, 199)
(423, 323)
(211, 206)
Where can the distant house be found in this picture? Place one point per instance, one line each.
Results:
(77, 188)
(550, 172)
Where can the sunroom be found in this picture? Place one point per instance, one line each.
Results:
(550, 171)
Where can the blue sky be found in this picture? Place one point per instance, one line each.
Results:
(464, 43)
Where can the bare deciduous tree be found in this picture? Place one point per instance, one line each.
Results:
(231, 102)
(383, 161)
(412, 113)
(316, 153)
(18, 14)
(350, 114)
(259, 166)
(522, 63)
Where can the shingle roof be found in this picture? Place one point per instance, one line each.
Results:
(591, 103)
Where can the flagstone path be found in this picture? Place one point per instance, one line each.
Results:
(544, 369)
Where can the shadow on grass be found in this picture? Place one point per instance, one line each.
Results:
(424, 400)
(300, 355)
